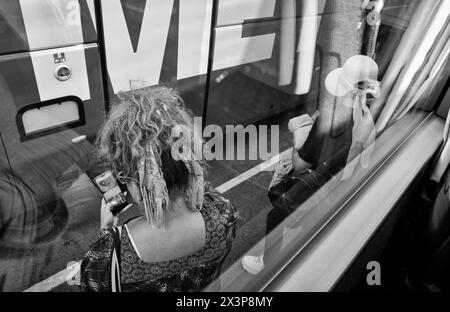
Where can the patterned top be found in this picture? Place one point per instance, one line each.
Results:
(188, 273)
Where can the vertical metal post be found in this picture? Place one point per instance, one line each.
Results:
(102, 52)
(212, 40)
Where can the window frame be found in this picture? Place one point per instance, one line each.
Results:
(61, 127)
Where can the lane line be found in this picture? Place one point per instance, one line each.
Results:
(265, 166)
(67, 274)
(57, 279)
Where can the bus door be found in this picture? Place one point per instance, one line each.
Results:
(51, 106)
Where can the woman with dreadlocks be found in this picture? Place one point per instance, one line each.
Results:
(186, 228)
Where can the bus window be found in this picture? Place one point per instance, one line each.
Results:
(39, 119)
(372, 73)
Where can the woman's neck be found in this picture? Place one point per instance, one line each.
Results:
(177, 206)
(177, 209)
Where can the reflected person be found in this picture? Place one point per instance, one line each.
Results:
(292, 174)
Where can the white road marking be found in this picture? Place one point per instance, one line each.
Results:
(62, 276)
(56, 279)
(265, 166)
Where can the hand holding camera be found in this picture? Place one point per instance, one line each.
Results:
(114, 200)
(107, 216)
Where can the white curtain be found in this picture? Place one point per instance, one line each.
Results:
(403, 52)
(403, 78)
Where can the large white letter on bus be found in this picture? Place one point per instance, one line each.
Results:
(193, 37)
(142, 67)
(230, 48)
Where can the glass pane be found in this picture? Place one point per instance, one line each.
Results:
(345, 84)
(48, 202)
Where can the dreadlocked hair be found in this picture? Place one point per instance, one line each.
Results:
(139, 127)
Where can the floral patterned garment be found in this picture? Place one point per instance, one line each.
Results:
(189, 273)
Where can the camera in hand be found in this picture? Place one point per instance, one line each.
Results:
(111, 191)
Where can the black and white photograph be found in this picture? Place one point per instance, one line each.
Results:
(236, 149)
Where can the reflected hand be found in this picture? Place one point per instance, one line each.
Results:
(300, 127)
(107, 219)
